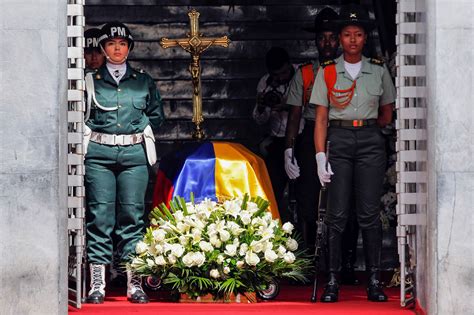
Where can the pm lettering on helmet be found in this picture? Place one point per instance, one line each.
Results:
(117, 31)
(92, 42)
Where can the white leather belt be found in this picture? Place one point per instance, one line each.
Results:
(111, 139)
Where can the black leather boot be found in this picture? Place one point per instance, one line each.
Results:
(97, 292)
(373, 247)
(349, 252)
(331, 291)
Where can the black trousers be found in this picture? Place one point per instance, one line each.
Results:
(357, 157)
(307, 185)
(275, 163)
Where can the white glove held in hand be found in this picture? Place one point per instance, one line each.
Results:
(323, 174)
(291, 169)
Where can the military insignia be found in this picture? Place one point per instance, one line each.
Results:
(328, 62)
(376, 61)
(305, 64)
(353, 16)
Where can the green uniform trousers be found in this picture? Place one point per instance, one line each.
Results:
(115, 192)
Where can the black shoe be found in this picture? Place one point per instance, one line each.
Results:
(331, 293)
(95, 298)
(139, 297)
(348, 277)
(375, 292)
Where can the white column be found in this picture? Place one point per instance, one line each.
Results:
(449, 272)
(33, 211)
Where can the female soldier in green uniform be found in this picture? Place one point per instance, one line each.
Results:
(354, 97)
(125, 109)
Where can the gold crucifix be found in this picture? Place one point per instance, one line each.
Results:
(195, 44)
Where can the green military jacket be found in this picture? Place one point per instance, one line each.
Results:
(295, 93)
(137, 100)
(374, 88)
(138, 103)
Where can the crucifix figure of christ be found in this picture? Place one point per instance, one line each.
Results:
(196, 44)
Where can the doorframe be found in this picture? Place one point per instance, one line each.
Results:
(411, 145)
(411, 124)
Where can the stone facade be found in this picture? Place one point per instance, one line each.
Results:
(33, 150)
(446, 276)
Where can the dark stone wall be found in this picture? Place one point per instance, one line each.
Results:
(229, 75)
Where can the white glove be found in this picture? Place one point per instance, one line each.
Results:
(291, 169)
(323, 174)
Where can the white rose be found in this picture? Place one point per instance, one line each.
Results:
(252, 207)
(230, 250)
(268, 217)
(240, 264)
(267, 245)
(289, 257)
(196, 235)
(205, 246)
(270, 255)
(150, 262)
(268, 233)
(234, 228)
(141, 247)
(246, 217)
(220, 259)
(281, 251)
(256, 247)
(172, 259)
(232, 208)
(158, 249)
(167, 247)
(183, 240)
(188, 259)
(243, 249)
(251, 258)
(215, 241)
(179, 215)
(199, 259)
(288, 227)
(137, 262)
(226, 270)
(256, 222)
(158, 235)
(225, 236)
(160, 260)
(214, 273)
(190, 208)
(177, 250)
(182, 227)
(291, 244)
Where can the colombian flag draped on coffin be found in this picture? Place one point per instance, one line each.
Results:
(215, 170)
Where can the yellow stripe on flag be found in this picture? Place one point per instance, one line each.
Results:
(239, 171)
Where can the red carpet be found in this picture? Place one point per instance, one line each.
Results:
(291, 300)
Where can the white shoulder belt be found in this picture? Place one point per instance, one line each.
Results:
(90, 89)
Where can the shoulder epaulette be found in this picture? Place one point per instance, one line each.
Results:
(139, 70)
(328, 62)
(376, 61)
(305, 64)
